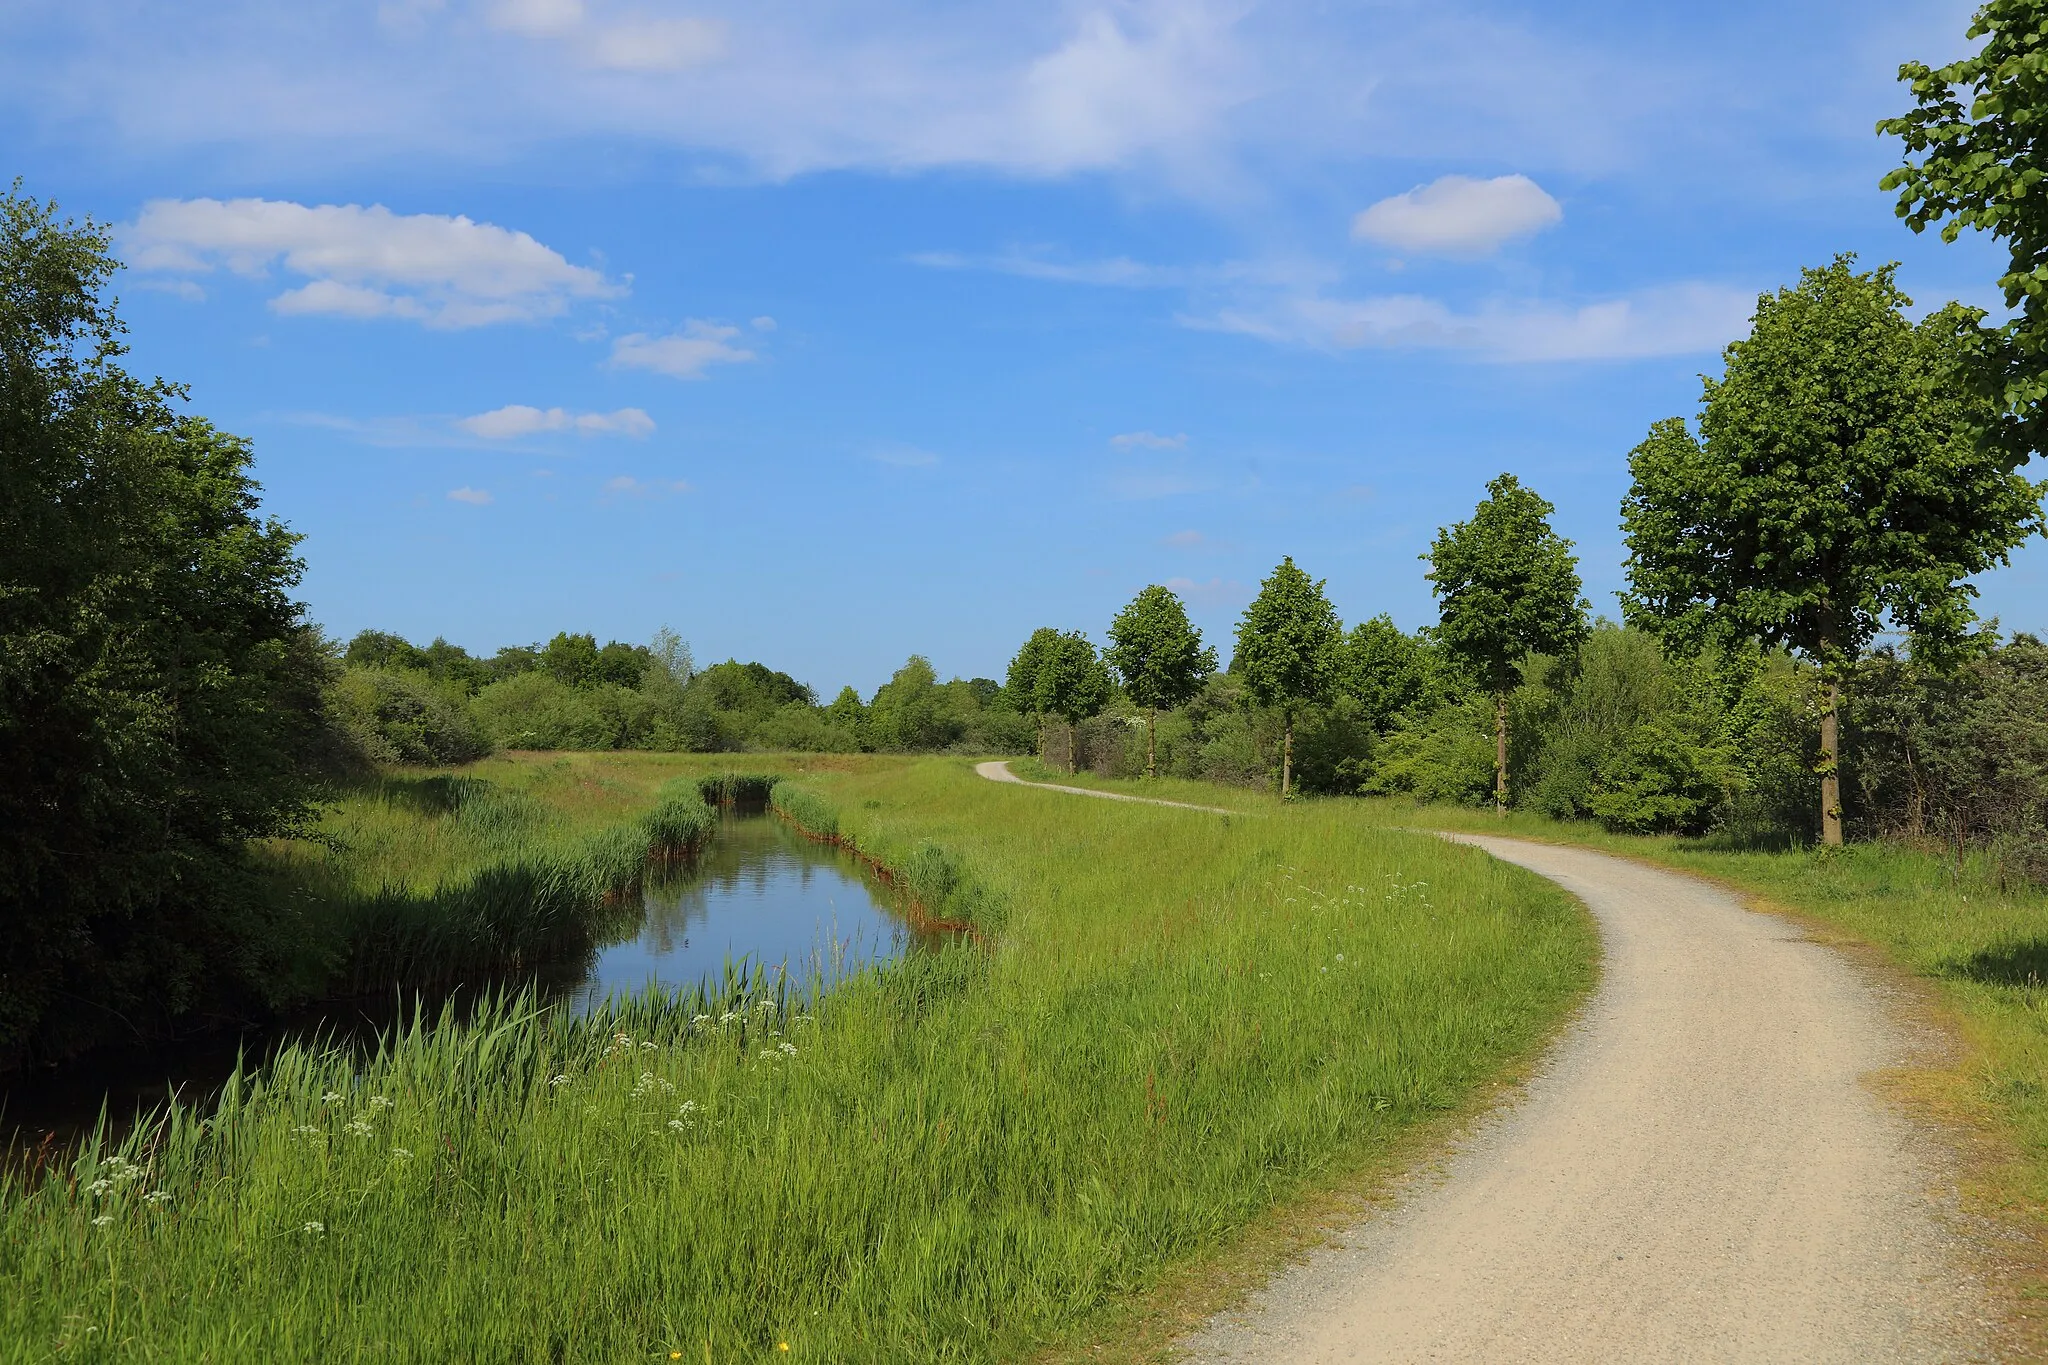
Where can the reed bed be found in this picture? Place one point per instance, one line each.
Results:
(1173, 1022)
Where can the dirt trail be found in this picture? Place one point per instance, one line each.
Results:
(1698, 1172)
(997, 770)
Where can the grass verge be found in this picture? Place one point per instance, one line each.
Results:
(1172, 1024)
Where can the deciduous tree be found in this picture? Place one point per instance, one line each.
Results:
(1838, 477)
(1507, 586)
(1071, 683)
(1158, 656)
(1287, 644)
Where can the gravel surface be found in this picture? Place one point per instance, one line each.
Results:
(998, 770)
(1698, 1173)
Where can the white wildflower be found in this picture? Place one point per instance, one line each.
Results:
(786, 1049)
(380, 1102)
(361, 1128)
(305, 1129)
(315, 1229)
(331, 1097)
(100, 1186)
(558, 1082)
(400, 1154)
(103, 1220)
(157, 1197)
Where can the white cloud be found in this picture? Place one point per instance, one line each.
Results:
(1683, 319)
(903, 456)
(517, 419)
(1459, 216)
(683, 355)
(764, 323)
(656, 44)
(365, 262)
(1185, 540)
(634, 43)
(626, 486)
(1149, 440)
(475, 497)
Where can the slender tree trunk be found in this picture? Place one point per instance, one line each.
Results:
(1830, 758)
(1287, 756)
(1151, 741)
(1500, 754)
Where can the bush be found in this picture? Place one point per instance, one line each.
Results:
(404, 717)
(1660, 782)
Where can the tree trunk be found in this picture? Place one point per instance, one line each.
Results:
(1500, 754)
(1830, 758)
(1287, 756)
(1151, 741)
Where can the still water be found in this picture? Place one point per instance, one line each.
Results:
(759, 892)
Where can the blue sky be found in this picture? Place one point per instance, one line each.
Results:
(826, 334)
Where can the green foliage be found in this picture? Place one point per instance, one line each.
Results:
(1383, 669)
(159, 688)
(1957, 753)
(908, 712)
(1507, 586)
(1976, 128)
(1156, 651)
(398, 716)
(1445, 753)
(1287, 642)
(1660, 781)
(1071, 682)
(1837, 478)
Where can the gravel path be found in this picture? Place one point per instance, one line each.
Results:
(997, 770)
(1698, 1173)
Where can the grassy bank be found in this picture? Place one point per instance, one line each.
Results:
(1978, 942)
(421, 880)
(1170, 1022)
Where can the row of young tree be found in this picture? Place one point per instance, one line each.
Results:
(1844, 478)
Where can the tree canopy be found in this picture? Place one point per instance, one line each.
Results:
(159, 687)
(1158, 657)
(1838, 479)
(1976, 128)
(1507, 587)
(1287, 642)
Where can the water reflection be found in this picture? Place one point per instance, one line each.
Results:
(759, 891)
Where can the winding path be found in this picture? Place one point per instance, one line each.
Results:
(1699, 1172)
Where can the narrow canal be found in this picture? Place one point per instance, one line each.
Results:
(759, 894)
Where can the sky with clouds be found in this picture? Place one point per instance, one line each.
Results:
(826, 334)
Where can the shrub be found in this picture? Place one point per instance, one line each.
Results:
(403, 717)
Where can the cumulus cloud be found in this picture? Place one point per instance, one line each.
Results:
(517, 419)
(475, 497)
(365, 262)
(1683, 319)
(1149, 440)
(1459, 216)
(682, 355)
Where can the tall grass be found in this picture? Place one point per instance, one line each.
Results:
(420, 882)
(1182, 1020)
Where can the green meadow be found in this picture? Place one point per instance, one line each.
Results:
(1163, 1026)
